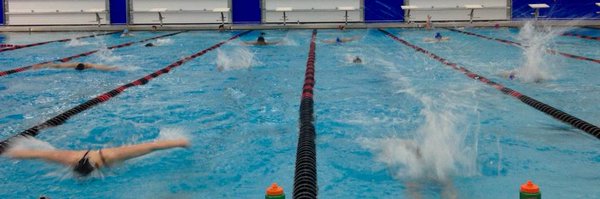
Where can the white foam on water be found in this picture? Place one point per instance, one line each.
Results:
(76, 42)
(173, 133)
(107, 56)
(235, 59)
(163, 42)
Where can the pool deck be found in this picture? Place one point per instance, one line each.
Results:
(594, 23)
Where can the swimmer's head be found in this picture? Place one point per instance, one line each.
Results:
(260, 39)
(357, 60)
(511, 75)
(338, 40)
(149, 45)
(438, 35)
(125, 31)
(80, 66)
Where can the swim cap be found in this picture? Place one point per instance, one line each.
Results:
(438, 35)
(126, 30)
(80, 66)
(337, 39)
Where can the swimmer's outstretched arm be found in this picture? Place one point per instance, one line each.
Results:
(118, 154)
(56, 65)
(101, 67)
(57, 156)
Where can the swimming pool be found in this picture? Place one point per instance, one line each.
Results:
(238, 105)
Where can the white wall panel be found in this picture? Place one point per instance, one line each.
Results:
(44, 12)
(451, 10)
(178, 11)
(308, 10)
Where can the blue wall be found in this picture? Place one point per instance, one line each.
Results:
(559, 9)
(118, 11)
(2, 14)
(384, 11)
(246, 11)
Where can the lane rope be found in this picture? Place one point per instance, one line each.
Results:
(557, 114)
(63, 117)
(581, 36)
(67, 59)
(15, 47)
(551, 51)
(305, 176)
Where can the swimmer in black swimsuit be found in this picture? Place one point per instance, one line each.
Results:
(75, 65)
(84, 167)
(85, 162)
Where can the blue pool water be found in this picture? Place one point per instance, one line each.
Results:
(238, 105)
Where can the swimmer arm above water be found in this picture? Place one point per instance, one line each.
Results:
(100, 158)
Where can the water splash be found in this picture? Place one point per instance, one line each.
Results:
(536, 41)
(77, 42)
(163, 42)
(238, 58)
(437, 152)
(444, 145)
(172, 133)
(29, 143)
(106, 55)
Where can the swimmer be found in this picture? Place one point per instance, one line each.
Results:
(513, 75)
(154, 28)
(414, 186)
(75, 65)
(260, 41)
(428, 23)
(338, 40)
(437, 38)
(357, 60)
(342, 27)
(221, 28)
(84, 162)
(149, 45)
(126, 33)
(509, 74)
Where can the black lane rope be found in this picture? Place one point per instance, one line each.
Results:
(63, 117)
(67, 59)
(581, 36)
(15, 47)
(558, 114)
(305, 178)
(551, 51)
